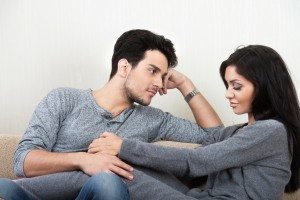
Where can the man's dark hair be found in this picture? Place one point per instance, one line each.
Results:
(133, 44)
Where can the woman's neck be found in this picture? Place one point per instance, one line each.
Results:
(251, 118)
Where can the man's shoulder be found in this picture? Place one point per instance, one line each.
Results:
(63, 92)
(67, 90)
(66, 96)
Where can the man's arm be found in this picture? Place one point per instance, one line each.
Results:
(34, 155)
(204, 114)
(40, 162)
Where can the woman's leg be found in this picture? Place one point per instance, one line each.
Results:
(104, 186)
(148, 188)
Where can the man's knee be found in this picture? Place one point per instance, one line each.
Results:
(106, 186)
(107, 182)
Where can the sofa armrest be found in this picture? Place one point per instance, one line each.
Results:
(8, 144)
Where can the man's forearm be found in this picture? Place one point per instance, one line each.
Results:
(40, 162)
(203, 112)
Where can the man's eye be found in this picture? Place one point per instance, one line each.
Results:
(152, 71)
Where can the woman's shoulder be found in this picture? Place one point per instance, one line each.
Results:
(272, 124)
(260, 127)
(260, 124)
(267, 128)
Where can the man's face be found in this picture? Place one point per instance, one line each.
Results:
(144, 81)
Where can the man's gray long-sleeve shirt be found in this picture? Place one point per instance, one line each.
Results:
(68, 120)
(252, 162)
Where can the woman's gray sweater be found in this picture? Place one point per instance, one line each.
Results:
(250, 162)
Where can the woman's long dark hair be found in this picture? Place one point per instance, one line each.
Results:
(275, 95)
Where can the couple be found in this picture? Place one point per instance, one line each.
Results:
(63, 157)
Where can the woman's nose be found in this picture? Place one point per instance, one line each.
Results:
(229, 94)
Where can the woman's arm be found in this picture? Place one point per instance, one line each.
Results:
(253, 143)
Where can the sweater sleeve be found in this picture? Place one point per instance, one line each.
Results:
(252, 143)
(177, 129)
(43, 127)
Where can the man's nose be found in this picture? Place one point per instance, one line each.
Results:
(158, 82)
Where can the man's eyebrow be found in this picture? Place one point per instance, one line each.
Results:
(155, 66)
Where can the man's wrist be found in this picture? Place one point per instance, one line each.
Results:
(190, 95)
(186, 87)
(78, 157)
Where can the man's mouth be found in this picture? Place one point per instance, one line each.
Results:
(152, 92)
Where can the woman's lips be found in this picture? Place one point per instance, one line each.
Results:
(233, 105)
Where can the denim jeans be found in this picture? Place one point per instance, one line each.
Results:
(9, 190)
(102, 186)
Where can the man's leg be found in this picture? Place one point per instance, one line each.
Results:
(59, 186)
(104, 186)
(9, 190)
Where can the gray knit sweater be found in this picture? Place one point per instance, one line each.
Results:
(252, 162)
(68, 120)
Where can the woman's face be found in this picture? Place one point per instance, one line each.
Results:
(240, 91)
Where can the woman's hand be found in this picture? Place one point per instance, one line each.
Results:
(107, 143)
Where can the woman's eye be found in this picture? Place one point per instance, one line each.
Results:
(237, 86)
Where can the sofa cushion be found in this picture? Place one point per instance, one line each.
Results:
(8, 145)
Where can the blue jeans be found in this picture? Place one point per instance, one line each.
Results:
(102, 186)
(9, 190)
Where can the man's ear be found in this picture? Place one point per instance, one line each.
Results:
(124, 68)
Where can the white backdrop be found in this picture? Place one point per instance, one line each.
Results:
(46, 44)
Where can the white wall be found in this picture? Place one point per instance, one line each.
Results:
(46, 44)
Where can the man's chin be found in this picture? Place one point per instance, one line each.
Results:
(143, 102)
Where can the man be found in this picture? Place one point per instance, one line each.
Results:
(59, 154)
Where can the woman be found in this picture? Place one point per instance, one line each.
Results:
(255, 160)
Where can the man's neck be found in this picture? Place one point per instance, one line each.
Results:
(111, 97)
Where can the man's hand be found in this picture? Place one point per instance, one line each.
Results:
(95, 163)
(108, 143)
(173, 79)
